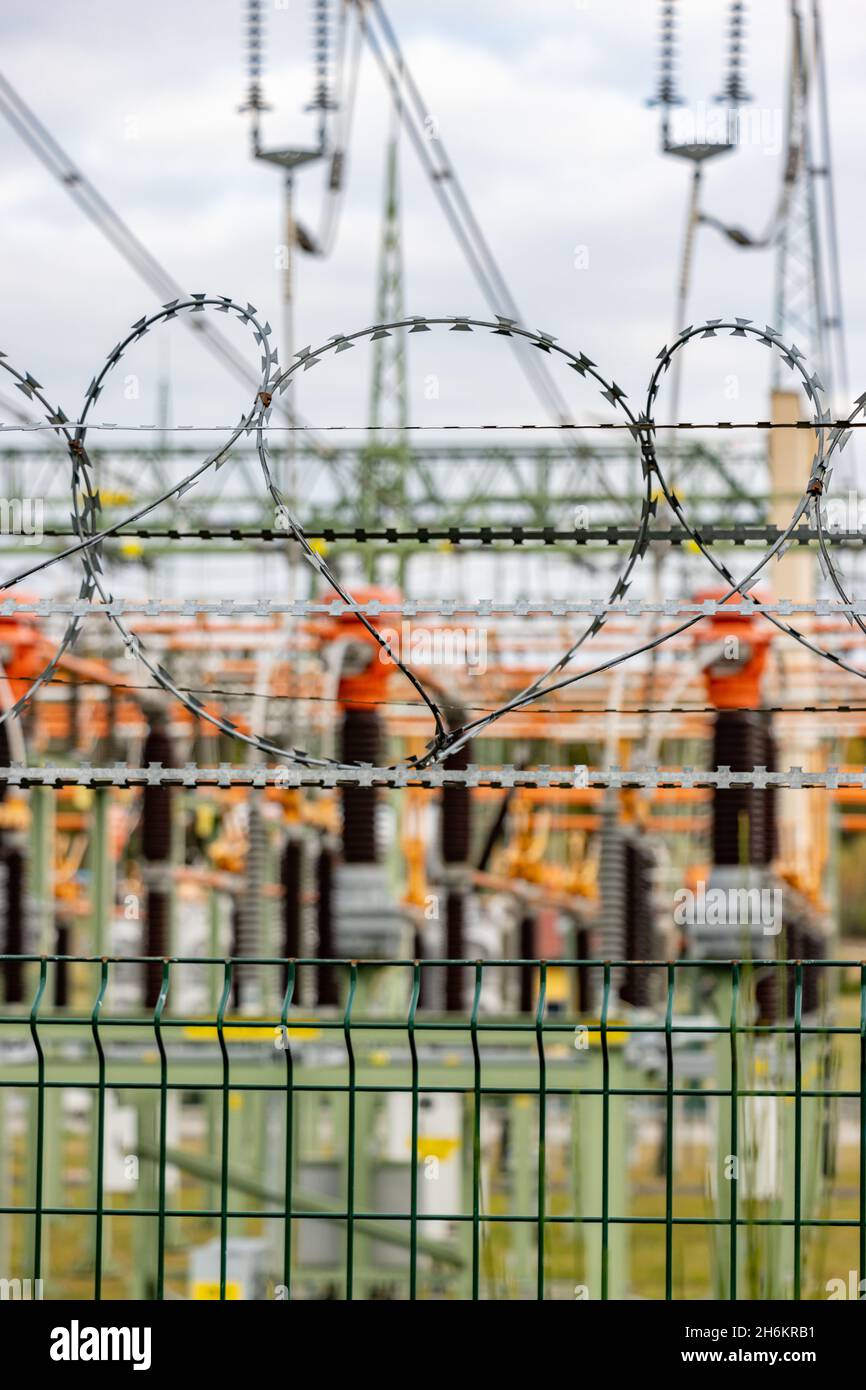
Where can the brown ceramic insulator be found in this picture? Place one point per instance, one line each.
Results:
(158, 911)
(738, 743)
(771, 795)
(639, 866)
(527, 948)
(455, 949)
(291, 871)
(61, 969)
(156, 808)
(456, 832)
(767, 992)
(585, 973)
(4, 757)
(328, 984)
(156, 837)
(425, 991)
(814, 948)
(360, 743)
(14, 925)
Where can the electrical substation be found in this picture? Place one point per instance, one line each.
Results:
(421, 838)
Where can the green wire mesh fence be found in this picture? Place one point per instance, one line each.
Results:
(709, 1143)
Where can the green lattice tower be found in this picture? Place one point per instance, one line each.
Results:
(384, 495)
(800, 307)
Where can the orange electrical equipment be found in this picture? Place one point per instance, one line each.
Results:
(366, 668)
(734, 677)
(25, 649)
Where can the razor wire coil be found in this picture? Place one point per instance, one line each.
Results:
(830, 436)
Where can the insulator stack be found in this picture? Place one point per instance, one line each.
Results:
(235, 932)
(456, 844)
(771, 795)
(639, 871)
(527, 949)
(368, 922)
(794, 949)
(158, 942)
(733, 91)
(612, 887)
(12, 980)
(156, 808)
(814, 948)
(361, 742)
(322, 99)
(61, 970)
(739, 813)
(4, 754)
(666, 93)
(455, 949)
(328, 985)
(767, 991)
(255, 56)
(811, 944)
(156, 843)
(585, 974)
(13, 861)
(335, 172)
(457, 813)
(290, 879)
(427, 992)
(248, 940)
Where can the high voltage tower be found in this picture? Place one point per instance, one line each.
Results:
(455, 484)
(801, 232)
(808, 294)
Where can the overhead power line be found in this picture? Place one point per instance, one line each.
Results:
(42, 143)
(423, 130)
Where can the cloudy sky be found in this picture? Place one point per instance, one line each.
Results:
(543, 109)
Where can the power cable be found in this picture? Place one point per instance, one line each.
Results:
(559, 709)
(42, 143)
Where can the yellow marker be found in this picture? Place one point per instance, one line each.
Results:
(237, 1033)
(614, 1038)
(430, 1147)
(204, 1289)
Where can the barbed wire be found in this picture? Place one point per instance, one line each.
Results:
(422, 608)
(336, 775)
(738, 533)
(86, 506)
(830, 436)
(560, 427)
